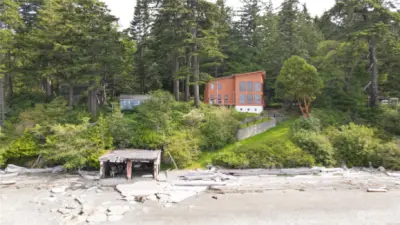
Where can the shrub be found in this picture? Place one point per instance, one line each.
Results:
(77, 146)
(183, 147)
(387, 155)
(218, 129)
(317, 145)
(391, 121)
(265, 155)
(121, 128)
(310, 124)
(330, 117)
(24, 147)
(353, 144)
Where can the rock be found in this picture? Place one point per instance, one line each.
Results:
(8, 182)
(215, 197)
(141, 188)
(59, 189)
(152, 198)
(78, 220)
(165, 205)
(377, 190)
(99, 191)
(117, 210)
(70, 207)
(114, 218)
(381, 169)
(97, 218)
(63, 211)
(53, 210)
(86, 209)
(79, 200)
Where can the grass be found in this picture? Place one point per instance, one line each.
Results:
(281, 131)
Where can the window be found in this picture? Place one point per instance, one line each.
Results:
(242, 86)
(226, 99)
(257, 99)
(249, 86)
(241, 99)
(211, 98)
(257, 86)
(212, 86)
(219, 86)
(219, 99)
(249, 99)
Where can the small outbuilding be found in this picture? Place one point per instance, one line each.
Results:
(124, 161)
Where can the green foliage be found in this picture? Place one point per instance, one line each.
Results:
(219, 129)
(390, 120)
(353, 144)
(24, 147)
(387, 155)
(265, 155)
(311, 124)
(299, 79)
(331, 117)
(77, 146)
(183, 147)
(316, 145)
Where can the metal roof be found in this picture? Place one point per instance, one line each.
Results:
(131, 154)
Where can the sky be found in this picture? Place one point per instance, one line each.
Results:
(123, 9)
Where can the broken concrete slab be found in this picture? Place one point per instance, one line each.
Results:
(198, 183)
(114, 218)
(141, 188)
(97, 218)
(8, 182)
(63, 211)
(117, 210)
(60, 189)
(11, 168)
(7, 175)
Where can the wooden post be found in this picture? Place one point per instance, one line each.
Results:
(155, 170)
(129, 169)
(102, 170)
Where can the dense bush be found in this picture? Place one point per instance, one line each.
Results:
(265, 155)
(317, 145)
(77, 146)
(219, 128)
(309, 124)
(387, 155)
(353, 144)
(331, 117)
(183, 147)
(390, 120)
(25, 146)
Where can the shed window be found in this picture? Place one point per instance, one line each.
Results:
(242, 86)
(241, 98)
(249, 99)
(257, 86)
(249, 86)
(257, 99)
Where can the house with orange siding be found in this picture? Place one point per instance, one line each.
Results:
(243, 91)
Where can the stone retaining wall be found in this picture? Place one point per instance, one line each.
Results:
(251, 131)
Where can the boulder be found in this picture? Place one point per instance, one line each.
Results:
(58, 189)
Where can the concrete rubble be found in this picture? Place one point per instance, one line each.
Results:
(11, 168)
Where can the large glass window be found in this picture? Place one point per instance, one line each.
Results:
(219, 99)
(249, 86)
(219, 86)
(249, 99)
(257, 99)
(212, 98)
(257, 86)
(241, 98)
(226, 99)
(212, 86)
(242, 86)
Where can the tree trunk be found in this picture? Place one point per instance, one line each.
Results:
(176, 79)
(187, 80)
(374, 94)
(47, 87)
(195, 61)
(71, 95)
(2, 104)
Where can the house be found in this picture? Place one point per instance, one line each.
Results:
(128, 102)
(242, 91)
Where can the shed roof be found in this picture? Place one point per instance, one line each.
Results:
(131, 154)
(134, 97)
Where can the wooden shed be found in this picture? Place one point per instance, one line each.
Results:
(126, 159)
